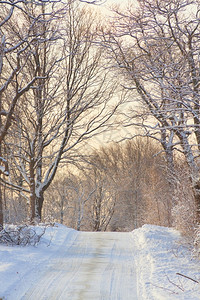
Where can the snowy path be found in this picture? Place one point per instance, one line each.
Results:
(86, 266)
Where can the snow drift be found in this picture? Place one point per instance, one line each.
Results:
(162, 257)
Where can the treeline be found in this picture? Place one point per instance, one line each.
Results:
(120, 187)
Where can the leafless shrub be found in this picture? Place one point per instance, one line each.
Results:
(196, 249)
(183, 212)
(22, 235)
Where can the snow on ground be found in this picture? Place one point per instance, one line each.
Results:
(17, 263)
(160, 253)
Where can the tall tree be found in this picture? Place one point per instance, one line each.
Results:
(16, 51)
(67, 105)
(156, 47)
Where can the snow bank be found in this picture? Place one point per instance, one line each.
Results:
(160, 255)
(18, 262)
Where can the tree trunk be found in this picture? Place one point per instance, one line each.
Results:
(1, 196)
(39, 205)
(32, 207)
(32, 192)
(171, 179)
(1, 208)
(196, 191)
(194, 172)
(62, 210)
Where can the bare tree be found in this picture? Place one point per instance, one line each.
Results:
(101, 204)
(156, 49)
(122, 176)
(17, 45)
(67, 105)
(120, 187)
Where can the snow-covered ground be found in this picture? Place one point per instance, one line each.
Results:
(158, 254)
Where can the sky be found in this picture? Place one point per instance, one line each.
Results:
(105, 6)
(116, 1)
(111, 2)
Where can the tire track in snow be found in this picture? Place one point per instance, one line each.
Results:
(42, 275)
(59, 273)
(108, 271)
(120, 272)
(91, 266)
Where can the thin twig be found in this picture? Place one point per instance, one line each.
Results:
(187, 277)
(178, 286)
(164, 288)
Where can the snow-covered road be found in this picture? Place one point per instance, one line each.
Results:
(86, 266)
(69, 265)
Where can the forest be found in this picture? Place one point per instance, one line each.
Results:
(100, 117)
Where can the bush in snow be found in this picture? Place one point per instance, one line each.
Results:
(184, 217)
(196, 250)
(183, 212)
(21, 235)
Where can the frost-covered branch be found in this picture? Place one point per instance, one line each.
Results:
(155, 49)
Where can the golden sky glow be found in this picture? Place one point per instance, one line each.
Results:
(106, 6)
